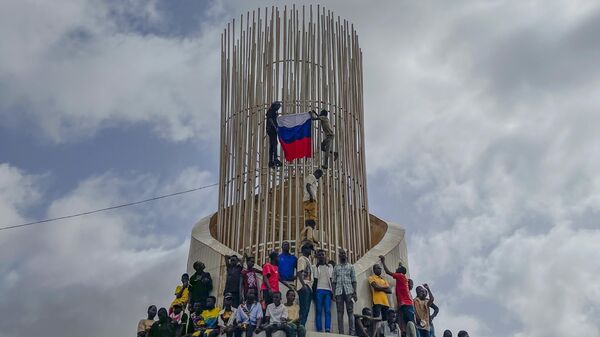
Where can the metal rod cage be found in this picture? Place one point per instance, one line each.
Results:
(309, 60)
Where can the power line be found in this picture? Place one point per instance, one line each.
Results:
(108, 208)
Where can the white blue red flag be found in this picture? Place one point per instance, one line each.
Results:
(294, 135)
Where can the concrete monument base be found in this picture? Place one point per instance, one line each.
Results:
(389, 241)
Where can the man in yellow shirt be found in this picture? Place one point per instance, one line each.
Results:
(380, 288)
(182, 295)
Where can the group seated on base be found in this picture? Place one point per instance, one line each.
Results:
(247, 312)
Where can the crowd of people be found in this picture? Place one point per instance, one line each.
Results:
(253, 301)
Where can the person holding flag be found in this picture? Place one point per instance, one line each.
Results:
(271, 129)
(327, 143)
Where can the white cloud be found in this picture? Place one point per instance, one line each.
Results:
(17, 191)
(73, 71)
(97, 262)
(546, 281)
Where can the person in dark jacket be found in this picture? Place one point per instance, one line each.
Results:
(200, 284)
(164, 327)
(271, 128)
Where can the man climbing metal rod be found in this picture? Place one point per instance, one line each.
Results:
(327, 143)
(271, 128)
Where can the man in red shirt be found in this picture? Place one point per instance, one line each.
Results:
(270, 284)
(406, 309)
(249, 277)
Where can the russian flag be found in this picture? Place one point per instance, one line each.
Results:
(295, 135)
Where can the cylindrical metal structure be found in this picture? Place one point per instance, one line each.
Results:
(309, 59)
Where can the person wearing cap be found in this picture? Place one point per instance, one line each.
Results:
(327, 142)
(422, 304)
(447, 333)
(227, 316)
(305, 282)
(344, 290)
(462, 333)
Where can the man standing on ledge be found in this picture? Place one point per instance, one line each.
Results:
(305, 282)
(422, 304)
(406, 310)
(344, 289)
(270, 271)
(287, 265)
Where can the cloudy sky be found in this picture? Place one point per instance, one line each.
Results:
(482, 140)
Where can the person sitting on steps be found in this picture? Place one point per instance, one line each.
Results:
(389, 327)
(276, 316)
(365, 324)
(294, 313)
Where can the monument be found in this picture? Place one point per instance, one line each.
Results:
(308, 59)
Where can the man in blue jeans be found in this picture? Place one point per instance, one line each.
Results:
(305, 279)
(323, 273)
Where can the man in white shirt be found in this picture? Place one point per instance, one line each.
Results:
(311, 182)
(277, 317)
(323, 274)
(304, 275)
